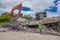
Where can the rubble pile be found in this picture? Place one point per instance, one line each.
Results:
(19, 26)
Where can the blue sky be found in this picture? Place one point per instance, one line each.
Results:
(52, 7)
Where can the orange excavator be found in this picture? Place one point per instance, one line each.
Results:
(19, 6)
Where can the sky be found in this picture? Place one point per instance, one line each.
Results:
(52, 7)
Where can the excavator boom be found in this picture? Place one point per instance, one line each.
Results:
(19, 6)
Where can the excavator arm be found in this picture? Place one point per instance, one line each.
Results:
(19, 6)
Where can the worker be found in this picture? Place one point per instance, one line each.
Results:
(40, 26)
(27, 23)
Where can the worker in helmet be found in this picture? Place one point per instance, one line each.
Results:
(40, 26)
(27, 22)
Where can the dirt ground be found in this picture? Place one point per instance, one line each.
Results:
(26, 36)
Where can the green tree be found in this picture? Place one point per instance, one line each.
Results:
(5, 17)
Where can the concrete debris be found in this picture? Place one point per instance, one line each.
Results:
(3, 29)
(20, 26)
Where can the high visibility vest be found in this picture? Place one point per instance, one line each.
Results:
(27, 22)
(40, 26)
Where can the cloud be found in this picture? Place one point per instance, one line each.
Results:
(51, 14)
(52, 6)
(40, 5)
(8, 5)
(55, 1)
(52, 9)
(7, 1)
(58, 9)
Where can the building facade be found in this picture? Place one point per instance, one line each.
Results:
(41, 15)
